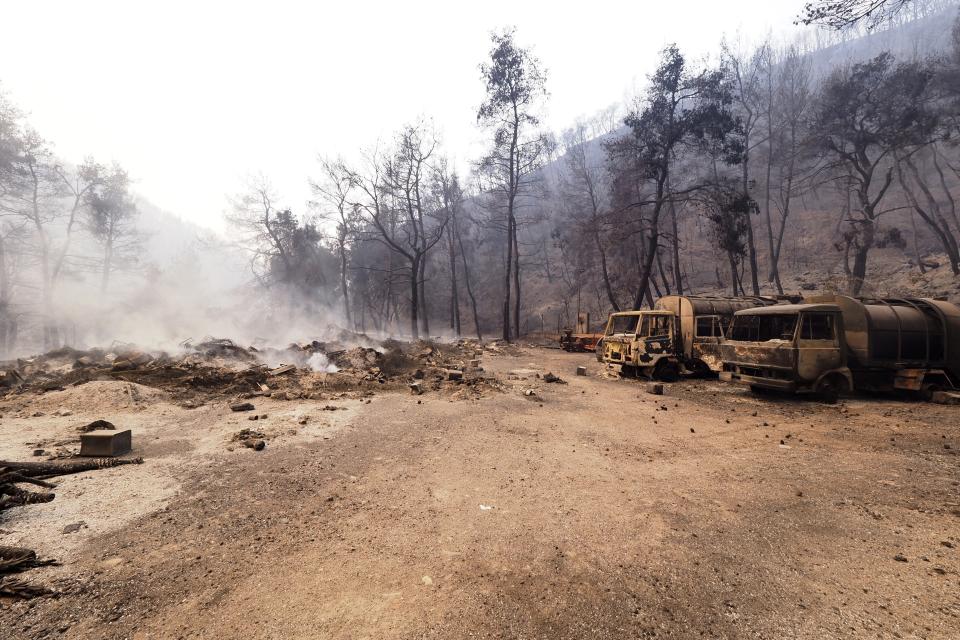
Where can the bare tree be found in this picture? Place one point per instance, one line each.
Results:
(841, 14)
(746, 78)
(334, 193)
(447, 185)
(396, 204)
(515, 87)
(585, 192)
(111, 220)
(681, 110)
(789, 102)
(867, 113)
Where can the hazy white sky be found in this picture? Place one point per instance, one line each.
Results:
(192, 96)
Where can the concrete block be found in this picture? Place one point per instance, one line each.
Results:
(106, 444)
(581, 371)
(655, 388)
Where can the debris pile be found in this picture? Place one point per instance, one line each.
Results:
(220, 367)
(250, 438)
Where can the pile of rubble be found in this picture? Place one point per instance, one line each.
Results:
(217, 366)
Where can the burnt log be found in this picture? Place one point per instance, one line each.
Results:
(14, 559)
(66, 467)
(14, 588)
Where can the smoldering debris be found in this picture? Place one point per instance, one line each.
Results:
(219, 367)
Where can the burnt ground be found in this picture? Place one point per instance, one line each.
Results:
(588, 510)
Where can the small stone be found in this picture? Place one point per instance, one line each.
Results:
(73, 528)
(900, 558)
(242, 406)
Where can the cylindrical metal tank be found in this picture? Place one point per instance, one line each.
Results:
(900, 332)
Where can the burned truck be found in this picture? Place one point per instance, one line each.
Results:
(835, 344)
(681, 334)
(579, 339)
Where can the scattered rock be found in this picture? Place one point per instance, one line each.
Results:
(242, 406)
(73, 528)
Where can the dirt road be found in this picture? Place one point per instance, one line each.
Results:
(588, 510)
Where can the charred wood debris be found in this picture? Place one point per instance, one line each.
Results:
(213, 369)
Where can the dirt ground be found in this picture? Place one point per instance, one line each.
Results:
(590, 509)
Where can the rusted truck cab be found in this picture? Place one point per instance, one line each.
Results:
(642, 342)
(837, 343)
(798, 348)
(681, 334)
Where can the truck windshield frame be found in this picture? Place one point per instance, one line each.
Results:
(623, 324)
(780, 327)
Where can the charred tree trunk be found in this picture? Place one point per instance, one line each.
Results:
(466, 281)
(516, 280)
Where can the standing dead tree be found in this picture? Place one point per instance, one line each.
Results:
(43, 195)
(515, 87)
(866, 115)
(396, 203)
(333, 191)
(745, 76)
(789, 101)
(681, 110)
(585, 192)
(111, 220)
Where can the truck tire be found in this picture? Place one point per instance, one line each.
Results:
(830, 388)
(599, 350)
(699, 369)
(927, 390)
(666, 371)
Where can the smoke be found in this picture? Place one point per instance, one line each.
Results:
(321, 364)
(186, 290)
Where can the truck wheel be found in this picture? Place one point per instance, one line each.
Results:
(927, 391)
(699, 369)
(666, 371)
(828, 391)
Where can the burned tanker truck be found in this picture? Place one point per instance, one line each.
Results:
(834, 344)
(681, 334)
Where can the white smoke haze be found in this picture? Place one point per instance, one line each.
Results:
(321, 364)
(204, 290)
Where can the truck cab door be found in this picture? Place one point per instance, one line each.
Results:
(656, 338)
(818, 345)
